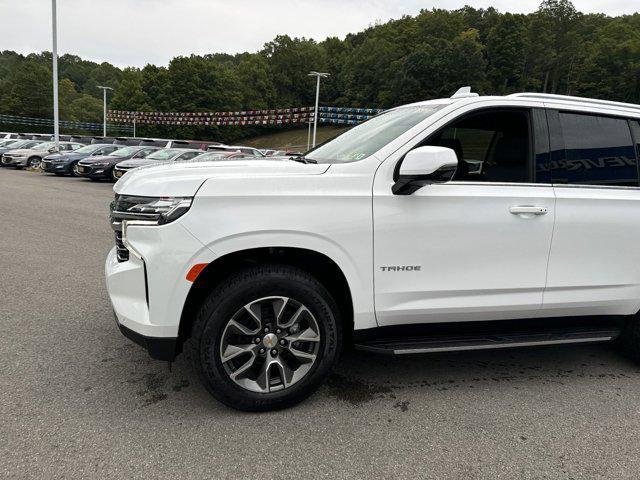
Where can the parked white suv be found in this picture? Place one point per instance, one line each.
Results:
(461, 223)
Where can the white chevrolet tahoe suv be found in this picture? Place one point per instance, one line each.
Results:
(461, 223)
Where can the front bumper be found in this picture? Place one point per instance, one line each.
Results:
(89, 171)
(8, 161)
(119, 172)
(149, 289)
(54, 167)
(159, 348)
(128, 292)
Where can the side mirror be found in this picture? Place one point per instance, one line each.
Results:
(423, 166)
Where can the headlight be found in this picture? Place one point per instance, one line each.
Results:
(159, 210)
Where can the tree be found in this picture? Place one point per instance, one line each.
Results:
(506, 49)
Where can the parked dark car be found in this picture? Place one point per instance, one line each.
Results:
(65, 163)
(102, 167)
(158, 157)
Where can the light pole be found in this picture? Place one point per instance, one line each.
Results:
(104, 108)
(54, 54)
(318, 76)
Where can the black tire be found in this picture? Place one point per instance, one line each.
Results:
(204, 345)
(629, 340)
(112, 175)
(72, 170)
(34, 162)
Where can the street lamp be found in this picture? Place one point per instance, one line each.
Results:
(104, 108)
(318, 76)
(54, 52)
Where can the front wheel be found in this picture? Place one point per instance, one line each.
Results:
(34, 162)
(266, 338)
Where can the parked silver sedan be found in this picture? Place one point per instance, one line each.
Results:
(31, 157)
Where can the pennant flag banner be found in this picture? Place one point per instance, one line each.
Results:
(48, 122)
(297, 115)
(365, 111)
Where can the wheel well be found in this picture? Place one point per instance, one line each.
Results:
(317, 264)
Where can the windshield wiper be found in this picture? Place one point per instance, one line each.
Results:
(303, 159)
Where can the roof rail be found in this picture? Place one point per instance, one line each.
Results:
(593, 101)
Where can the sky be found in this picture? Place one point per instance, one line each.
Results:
(137, 32)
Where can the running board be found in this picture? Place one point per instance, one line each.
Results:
(405, 346)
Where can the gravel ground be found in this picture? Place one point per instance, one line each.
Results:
(78, 400)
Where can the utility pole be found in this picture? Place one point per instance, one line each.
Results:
(134, 125)
(54, 54)
(318, 76)
(104, 108)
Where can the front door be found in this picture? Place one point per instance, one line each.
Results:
(475, 248)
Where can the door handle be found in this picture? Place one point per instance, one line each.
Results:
(528, 210)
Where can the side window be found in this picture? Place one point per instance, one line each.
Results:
(597, 151)
(187, 156)
(143, 153)
(492, 146)
(635, 131)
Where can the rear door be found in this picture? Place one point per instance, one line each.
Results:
(594, 263)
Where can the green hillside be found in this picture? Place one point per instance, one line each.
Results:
(292, 139)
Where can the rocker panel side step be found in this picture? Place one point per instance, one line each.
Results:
(405, 346)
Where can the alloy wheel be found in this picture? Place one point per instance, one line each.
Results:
(270, 344)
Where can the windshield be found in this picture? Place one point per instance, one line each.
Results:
(124, 152)
(18, 144)
(4, 143)
(163, 154)
(369, 137)
(88, 149)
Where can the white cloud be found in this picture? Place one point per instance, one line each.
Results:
(136, 32)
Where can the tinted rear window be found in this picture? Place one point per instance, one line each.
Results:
(597, 150)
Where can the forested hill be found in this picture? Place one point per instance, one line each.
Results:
(556, 49)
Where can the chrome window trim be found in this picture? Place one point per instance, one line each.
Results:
(494, 184)
(602, 187)
(520, 184)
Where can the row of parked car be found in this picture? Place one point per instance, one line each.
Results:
(105, 158)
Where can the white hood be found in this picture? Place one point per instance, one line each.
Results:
(182, 179)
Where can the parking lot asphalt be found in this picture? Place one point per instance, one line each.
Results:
(78, 400)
